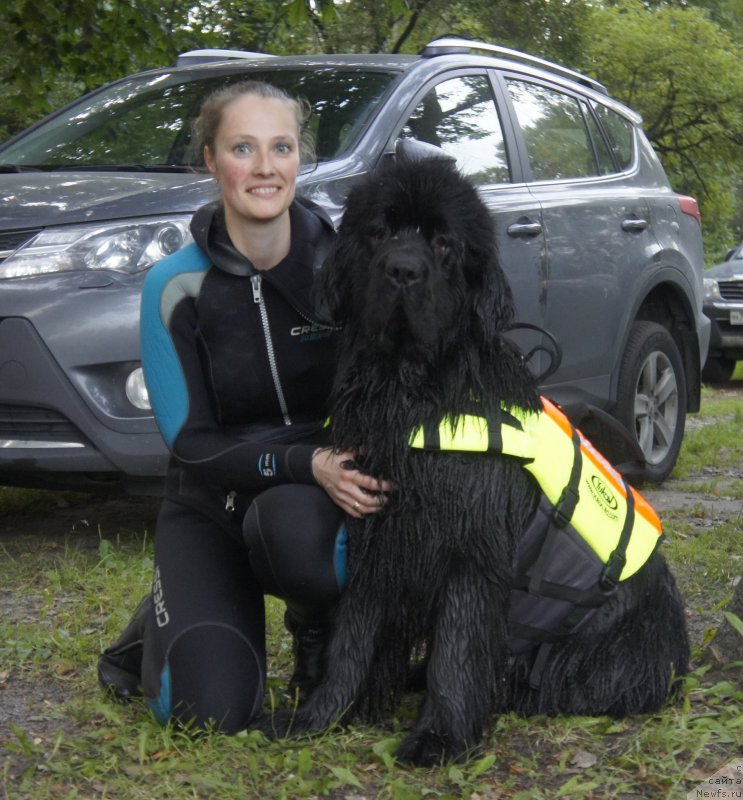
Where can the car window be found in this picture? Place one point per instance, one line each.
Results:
(459, 116)
(601, 151)
(147, 121)
(557, 139)
(620, 133)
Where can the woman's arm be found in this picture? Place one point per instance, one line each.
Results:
(179, 395)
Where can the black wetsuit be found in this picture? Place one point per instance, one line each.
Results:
(239, 371)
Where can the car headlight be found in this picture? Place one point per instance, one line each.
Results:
(711, 289)
(129, 246)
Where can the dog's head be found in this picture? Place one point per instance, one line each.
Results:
(414, 270)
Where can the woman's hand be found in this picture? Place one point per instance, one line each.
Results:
(356, 493)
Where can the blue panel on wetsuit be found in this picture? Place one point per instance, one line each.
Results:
(168, 282)
(340, 558)
(161, 706)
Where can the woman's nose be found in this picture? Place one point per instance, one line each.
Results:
(263, 164)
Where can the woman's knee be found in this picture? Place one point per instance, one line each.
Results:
(296, 540)
(212, 679)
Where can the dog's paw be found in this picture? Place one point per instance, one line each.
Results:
(280, 725)
(429, 749)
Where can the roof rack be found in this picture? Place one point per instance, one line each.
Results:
(455, 44)
(215, 54)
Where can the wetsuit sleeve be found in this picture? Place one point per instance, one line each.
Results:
(180, 398)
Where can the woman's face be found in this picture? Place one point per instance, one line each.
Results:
(255, 157)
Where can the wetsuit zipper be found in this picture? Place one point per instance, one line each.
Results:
(258, 299)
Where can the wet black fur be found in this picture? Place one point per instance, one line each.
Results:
(416, 281)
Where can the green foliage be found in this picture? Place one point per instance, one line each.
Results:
(53, 50)
(547, 29)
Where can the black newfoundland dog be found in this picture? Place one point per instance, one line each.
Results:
(415, 279)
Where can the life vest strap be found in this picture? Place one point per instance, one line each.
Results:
(560, 517)
(565, 506)
(618, 558)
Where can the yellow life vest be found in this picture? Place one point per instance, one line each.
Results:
(583, 488)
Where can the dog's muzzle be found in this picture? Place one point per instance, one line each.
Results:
(404, 263)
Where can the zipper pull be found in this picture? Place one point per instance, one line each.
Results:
(230, 502)
(255, 281)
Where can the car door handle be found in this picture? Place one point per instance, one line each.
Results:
(634, 224)
(526, 228)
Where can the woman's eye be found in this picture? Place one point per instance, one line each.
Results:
(241, 149)
(283, 148)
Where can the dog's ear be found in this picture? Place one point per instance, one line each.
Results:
(335, 280)
(492, 303)
(490, 294)
(331, 289)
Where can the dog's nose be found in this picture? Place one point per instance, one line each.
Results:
(403, 272)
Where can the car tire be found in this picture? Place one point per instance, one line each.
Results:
(651, 398)
(718, 370)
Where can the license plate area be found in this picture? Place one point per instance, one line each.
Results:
(736, 317)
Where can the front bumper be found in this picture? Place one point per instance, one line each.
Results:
(49, 435)
(726, 338)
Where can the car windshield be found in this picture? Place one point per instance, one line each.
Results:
(146, 122)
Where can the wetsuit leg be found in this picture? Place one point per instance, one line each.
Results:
(296, 538)
(204, 644)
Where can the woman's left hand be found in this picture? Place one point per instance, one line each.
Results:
(354, 491)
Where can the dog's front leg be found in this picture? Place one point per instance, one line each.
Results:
(465, 669)
(349, 656)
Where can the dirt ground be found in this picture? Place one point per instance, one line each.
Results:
(31, 704)
(22, 702)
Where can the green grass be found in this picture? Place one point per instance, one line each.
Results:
(63, 598)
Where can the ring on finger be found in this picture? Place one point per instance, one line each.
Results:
(356, 505)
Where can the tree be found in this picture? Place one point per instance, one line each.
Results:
(389, 26)
(53, 50)
(684, 74)
(552, 30)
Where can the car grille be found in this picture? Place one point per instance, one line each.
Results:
(10, 241)
(22, 422)
(731, 290)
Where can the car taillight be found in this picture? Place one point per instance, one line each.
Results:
(690, 206)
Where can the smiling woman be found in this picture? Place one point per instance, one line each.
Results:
(238, 368)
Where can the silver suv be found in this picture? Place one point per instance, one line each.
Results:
(600, 251)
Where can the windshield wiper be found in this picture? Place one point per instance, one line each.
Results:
(17, 168)
(121, 168)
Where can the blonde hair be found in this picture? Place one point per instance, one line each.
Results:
(207, 124)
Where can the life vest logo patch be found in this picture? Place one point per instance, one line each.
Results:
(602, 491)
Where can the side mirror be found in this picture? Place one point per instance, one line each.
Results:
(415, 150)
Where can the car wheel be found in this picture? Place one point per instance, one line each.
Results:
(651, 397)
(718, 370)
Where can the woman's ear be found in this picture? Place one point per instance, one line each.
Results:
(211, 164)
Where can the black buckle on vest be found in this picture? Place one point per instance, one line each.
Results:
(617, 560)
(611, 572)
(565, 507)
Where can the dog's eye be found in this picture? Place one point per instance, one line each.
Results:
(440, 244)
(378, 233)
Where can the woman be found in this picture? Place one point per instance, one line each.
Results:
(239, 369)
